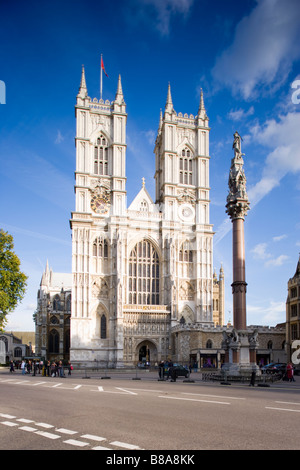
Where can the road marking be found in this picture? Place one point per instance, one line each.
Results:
(93, 438)
(193, 399)
(127, 391)
(288, 402)
(73, 442)
(9, 423)
(44, 425)
(56, 385)
(24, 420)
(3, 415)
(124, 444)
(28, 428)
(49, 435)
(65, 431)
(213, 396)
(282, 409)
(100, 448)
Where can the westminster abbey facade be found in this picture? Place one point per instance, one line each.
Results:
(140, 271)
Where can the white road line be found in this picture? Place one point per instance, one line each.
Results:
(282, 409)
(56, 385)
(65, 431)
(100, 448)
(44, 425)
(213, 396)
(9, 423)
(24, 420)
(28, 428)
(3, 415)
(73, 442)
(127, 391)
(124, 444)
(93, 438)
(49, 435)
(38, 383)
(288, 402)
(193, 399)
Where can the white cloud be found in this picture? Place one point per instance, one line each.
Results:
(279, 238)
(240, 114)
(264, 48)
(270, 314)
(260, 252)
(283, 139)
(277, 261)
(166, 9)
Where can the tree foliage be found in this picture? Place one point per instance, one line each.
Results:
(12, 280)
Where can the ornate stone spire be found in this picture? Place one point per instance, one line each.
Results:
(82, 89)
(201, 111)
(169, 104)
(119, 95)
(237, 200)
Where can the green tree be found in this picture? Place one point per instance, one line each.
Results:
(12, 280)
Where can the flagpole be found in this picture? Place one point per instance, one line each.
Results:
(101, 78)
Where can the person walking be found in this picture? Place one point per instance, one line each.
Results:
(23, 367)
(290, 372)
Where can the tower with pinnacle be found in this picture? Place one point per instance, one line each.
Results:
(139, 271)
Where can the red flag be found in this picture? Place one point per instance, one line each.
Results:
(102, 66)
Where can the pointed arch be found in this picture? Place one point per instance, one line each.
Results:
(143, 274)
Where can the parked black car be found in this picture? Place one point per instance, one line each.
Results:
(274, 368)
(180, 370)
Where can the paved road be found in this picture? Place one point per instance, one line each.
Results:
(125, 414)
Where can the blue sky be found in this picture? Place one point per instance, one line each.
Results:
(244, 55)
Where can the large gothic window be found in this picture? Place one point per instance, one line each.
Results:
(185, 167)
(143, 275)
(101, 156)
(53, 341)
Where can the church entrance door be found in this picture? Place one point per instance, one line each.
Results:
(147, 353)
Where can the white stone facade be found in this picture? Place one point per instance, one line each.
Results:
(142, 270)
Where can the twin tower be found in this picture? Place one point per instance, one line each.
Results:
(140, 271)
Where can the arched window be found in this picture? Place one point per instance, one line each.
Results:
(143, 275)
(209, 344)
(18, 352)
(270, 344)
(53, 341)
(103, 332)
(100, 248)
(101, 156)
(186, 167)
(56, 303)
(69, 303)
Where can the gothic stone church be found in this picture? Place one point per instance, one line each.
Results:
(140, 272)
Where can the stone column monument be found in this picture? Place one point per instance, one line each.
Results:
(240, 344)
(237, 207)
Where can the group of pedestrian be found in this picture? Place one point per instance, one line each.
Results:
(49, 369)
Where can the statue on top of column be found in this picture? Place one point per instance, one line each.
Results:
(237, 199)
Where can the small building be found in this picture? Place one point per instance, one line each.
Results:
(202, 346)
(293, 313)
(12, 348)
(52, 334)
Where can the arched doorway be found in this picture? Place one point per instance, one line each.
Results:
(146, 353)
